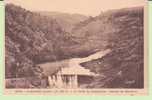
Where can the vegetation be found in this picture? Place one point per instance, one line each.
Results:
(32, 38)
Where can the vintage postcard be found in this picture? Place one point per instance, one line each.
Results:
(76, 47)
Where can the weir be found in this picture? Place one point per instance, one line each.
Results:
(67, 76)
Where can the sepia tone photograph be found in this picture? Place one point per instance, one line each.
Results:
(75, 44)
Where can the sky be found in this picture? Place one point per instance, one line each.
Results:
(86, 7)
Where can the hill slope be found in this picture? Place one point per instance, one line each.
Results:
(30, 36)
(65, 20)
(123, 67)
